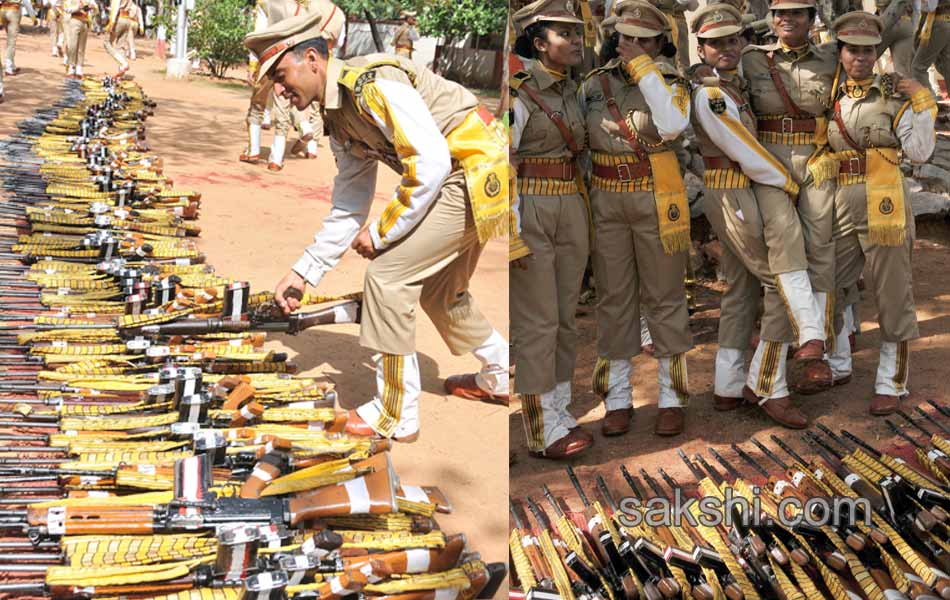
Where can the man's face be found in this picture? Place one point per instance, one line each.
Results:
(301, 80)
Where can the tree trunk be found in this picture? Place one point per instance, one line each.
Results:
(375, 32)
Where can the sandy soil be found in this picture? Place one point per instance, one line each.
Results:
(255, 225)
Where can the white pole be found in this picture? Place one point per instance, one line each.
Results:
(178, 67)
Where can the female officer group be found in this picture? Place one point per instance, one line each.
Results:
(801, 146)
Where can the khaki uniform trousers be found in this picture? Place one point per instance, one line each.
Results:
(10, 21)
(55, 30)
(815, 213)
(76, 30)
(430, 266)
(888, 268)
(629, 260)
(115, 39)
(746, 264)
(935, 52)
(543, 297)
(900, 40)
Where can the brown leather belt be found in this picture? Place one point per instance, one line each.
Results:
(853, 166)
(788, 125)
(624, 171)
(9, 5)
(563, 170)
(721, 162)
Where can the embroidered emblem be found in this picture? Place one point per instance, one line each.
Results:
(636, 13)
(717, 16)
(673, 213)
(492, 185)
(887, 206)
(717, 105)
(362, 80)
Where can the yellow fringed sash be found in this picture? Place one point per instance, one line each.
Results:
(885, 191)
(672, 206)
(482, 150)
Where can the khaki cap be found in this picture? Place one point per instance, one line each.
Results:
(561, 11)
(639, 19)
(716, 21)
(609, 25)
(858, 28)
(271, 44)
(792, 4)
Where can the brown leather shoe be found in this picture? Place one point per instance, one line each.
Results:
(299, 147)
(811, 350)
(842, 381)
(251, 159)
(465, 386)
(274, 167)
(781, 410)
(724, 403)
(583, 433)
(883, 405)
(814, 377)
(570, 445)
(355, 425)
(670, 421)
(616, 422)
(265, 126)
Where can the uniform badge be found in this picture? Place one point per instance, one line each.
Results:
(673, 214)
(717, 105)
(887, 206)
(362, 80)
(717, 17)
(492, 185)
(636, 13)
(569, 6)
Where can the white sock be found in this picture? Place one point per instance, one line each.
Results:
(612, 381)
(767, 371)
(821, 298)
(730, 372)
(312, 147)
(305, 129)
(79, 70)
(277, 149)
(493, 354)
(375, 412)
(840, 359)
(564, 394)
(892, 368)
(254, 136)
(672, 381)
(803, 306)
(266, 119)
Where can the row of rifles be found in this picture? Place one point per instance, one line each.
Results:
(843, 520)
(150, 445)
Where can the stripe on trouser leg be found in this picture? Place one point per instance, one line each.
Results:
(393, 390)
(533, 418)
(601, 377)
(765, 367)
(900, 374)
(672, 382)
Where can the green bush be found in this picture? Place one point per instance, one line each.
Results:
(216, 33)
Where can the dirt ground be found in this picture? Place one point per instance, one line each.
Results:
(844, 407)
(255, 224)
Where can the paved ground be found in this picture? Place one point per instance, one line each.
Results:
(255, 225)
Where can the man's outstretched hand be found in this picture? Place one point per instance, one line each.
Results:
(363, 244)
(289, 292)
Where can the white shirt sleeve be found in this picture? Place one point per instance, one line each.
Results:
(669, 119)
(731, 136)
(353, 190)
(405, 120)
(916, 131)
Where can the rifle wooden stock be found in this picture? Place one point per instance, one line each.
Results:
(100, 520)
(432, 560)
(371, 494)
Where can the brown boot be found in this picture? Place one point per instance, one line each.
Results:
(465, 386)
(815, 377)
(670, 421)
(883, 405)
(811, 350)
(616, 422)
(570, 445)
(355, 425)
(724, 403)
(781, 410)
(252, 159)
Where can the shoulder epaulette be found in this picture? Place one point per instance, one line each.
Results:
(762, 48)
(356, 78)
(515, 81)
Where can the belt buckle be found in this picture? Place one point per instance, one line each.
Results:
(567, 171)
(624, 173)
(791, 125)
(854, 165)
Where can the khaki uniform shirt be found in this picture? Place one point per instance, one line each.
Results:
(808, 76)
(398, 115)
(533, 134)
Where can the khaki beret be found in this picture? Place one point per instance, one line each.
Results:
(270, 44)
(859, 28)
(639, 19)
(716, 21)
(545, 10)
